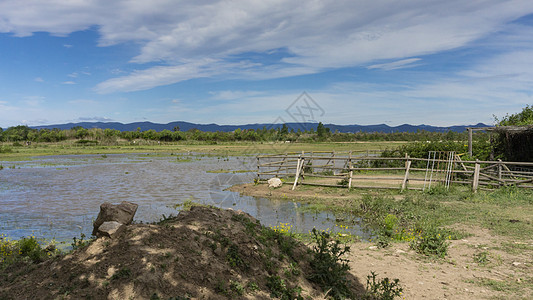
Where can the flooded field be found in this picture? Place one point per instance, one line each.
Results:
(59, 196)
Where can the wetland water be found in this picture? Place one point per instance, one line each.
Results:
(59, 196)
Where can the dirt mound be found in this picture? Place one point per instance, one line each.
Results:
(204, 253)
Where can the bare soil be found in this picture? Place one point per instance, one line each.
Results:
(506, 274)
(204, 253)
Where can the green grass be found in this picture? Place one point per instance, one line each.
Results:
(230, 148)
(404, 217)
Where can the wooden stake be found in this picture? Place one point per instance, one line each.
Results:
(470, 141)
(299, 166)
(475, 181)
(351, 171)
(406, 177)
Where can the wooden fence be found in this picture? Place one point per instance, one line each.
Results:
(369, 170)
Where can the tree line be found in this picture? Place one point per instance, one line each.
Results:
(24, 133)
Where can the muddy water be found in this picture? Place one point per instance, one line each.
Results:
(59, 196)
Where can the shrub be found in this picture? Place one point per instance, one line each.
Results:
(5, 149)
(329, 269)
(385, 289)
(279, 289)
(431, 242)
(29, 247)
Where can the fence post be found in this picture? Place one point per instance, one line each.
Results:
(406, 177)
(351, 171)
(475, 181)
(470, 141)
(499, 169)
(299, 165)
(258, 169)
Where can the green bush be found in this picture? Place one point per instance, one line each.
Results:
(5, 149)
(384, 289)
(329, 269)
(431, 242)
(29, 247)
(279, 289)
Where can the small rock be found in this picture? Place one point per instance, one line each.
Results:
(399, 251)
(110, 229)
(373, 247)
(274, 182)
(516, 264)
(122, 213)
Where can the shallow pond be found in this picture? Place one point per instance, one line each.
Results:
(59, 196)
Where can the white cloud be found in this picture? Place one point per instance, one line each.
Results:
(97, 119)
(205, 38)
(39, 79)
(68, 82)
(399, 64)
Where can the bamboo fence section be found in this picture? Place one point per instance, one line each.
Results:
(368, 170)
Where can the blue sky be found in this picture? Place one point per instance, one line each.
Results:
(236, 62)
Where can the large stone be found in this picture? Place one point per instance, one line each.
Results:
(122, 213)
(110, 229)
(274, 182)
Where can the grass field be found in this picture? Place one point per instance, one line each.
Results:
(234, 148)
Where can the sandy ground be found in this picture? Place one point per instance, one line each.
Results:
(507, 274)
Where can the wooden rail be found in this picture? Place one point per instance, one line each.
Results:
(351, 169)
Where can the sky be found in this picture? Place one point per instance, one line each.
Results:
(364, 62)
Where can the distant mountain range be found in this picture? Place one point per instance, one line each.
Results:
(184, 126)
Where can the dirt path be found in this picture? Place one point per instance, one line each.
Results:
(481, 266)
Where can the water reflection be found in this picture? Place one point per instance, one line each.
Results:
(59, 196)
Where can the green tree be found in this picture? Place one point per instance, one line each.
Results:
(525, 117)
(81, 133)
(284, 130)
(321, 130)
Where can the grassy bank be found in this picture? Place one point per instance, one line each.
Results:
(22, 152)
(401, 216)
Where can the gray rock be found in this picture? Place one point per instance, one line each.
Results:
(110, 229)
(274, 182)
(122, 213)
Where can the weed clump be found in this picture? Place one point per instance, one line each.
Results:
(384, 289)
(329, 268)
(25, 249)
(431, 242)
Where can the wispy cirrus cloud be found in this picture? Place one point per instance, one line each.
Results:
(97, 119)
(399, 64)
(209, 39)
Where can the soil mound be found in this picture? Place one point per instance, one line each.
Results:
(204, 253)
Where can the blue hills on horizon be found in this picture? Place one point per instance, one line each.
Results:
(185, 126)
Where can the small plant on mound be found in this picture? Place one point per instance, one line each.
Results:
(80, 243)
(329, 268)
(235, 259)
(431, 242)
(384, 289)
(281, 290)
(13, 251)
